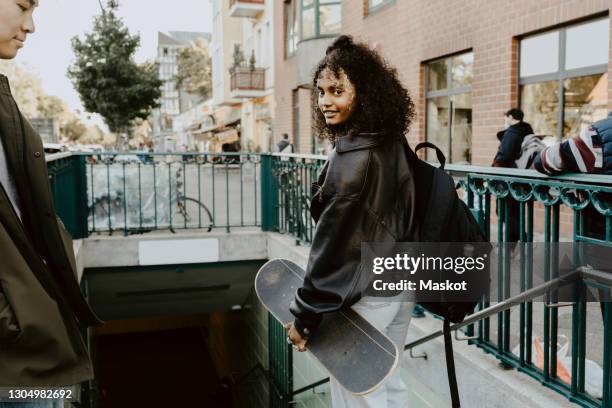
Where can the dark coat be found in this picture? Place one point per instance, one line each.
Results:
(41, 304)
(510, 146)
(365, 193)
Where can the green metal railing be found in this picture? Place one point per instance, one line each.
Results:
(586, 198)
(295, 177)
(280, 362)
(142, 192)
(68, 187)
(137, 193)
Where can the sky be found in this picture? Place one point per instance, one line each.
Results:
(48, 51)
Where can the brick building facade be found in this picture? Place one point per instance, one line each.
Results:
(532, 54)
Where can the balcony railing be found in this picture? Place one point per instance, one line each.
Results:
(246, 8)
(246, 82)
(143, 192)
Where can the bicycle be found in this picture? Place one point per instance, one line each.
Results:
(295, 205)
(187, 206)
(112, 210)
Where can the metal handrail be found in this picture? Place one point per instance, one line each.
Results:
(57, 156)
(301, 156)
(582, 272)
(513, 172)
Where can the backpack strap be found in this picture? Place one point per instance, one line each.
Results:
(439, 154)
(436, 217)
(450, 365)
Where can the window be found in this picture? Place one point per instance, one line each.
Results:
(373, 5)
(320, 18)
(449, 107)
(291, 27)
(295, 104)
(313, 18)
(563, 83)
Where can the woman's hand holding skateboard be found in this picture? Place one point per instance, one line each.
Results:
(294, 338)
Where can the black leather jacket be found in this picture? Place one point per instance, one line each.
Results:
(365, 193)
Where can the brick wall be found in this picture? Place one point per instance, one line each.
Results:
(409, 33)
(285, 73)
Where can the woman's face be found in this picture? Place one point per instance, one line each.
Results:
(336, 96)
(15, 24)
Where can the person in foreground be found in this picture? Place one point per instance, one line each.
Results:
(42, 310)
(365, 193)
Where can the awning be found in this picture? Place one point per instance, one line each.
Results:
(228, 136)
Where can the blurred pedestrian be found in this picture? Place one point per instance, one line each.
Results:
(509, 151)
(42, 309)
(283, 145)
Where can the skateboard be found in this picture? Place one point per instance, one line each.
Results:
(353, 351)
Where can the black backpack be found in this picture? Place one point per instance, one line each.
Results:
(445, 218)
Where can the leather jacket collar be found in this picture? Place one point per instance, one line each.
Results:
(358, 141)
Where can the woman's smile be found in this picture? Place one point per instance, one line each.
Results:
(336, 95)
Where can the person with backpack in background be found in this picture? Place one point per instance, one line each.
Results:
(589, 152)
(509, 152)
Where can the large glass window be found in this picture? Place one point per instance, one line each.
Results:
(320, 18)
(291, 27)
(563, 78)
(449, 107)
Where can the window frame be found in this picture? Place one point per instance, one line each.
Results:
(561, 74)
(373, 9)
(316, 5)
(449, 91)
(288, 7)
(295, 118)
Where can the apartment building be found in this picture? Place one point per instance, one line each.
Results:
(173, 100)
(243, 69)
(464, 62)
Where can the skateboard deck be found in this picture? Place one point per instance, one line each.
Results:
(354, 352)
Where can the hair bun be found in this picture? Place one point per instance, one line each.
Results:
(342, 42)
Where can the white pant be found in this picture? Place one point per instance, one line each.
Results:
(392, 317)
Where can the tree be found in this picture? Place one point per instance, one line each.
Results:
(107, 78)
(73, 130)
(50, 107)
(238, 59)
(25, 86)
(195, 69)
(252, 61)
(33, 102)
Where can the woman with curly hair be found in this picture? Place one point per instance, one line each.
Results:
(365, 193)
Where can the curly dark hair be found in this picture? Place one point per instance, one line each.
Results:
(382, 102)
